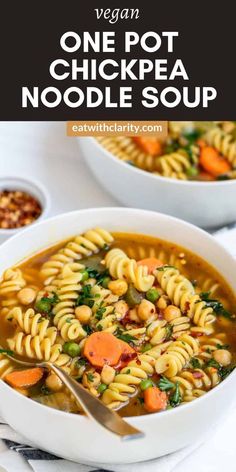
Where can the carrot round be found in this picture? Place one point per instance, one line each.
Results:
(24, 378)
(154, 399)
(149, 145)
(151, 263)
(212, 162)
(102, 348)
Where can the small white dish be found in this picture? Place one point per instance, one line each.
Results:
(206, 204)
(32, 187)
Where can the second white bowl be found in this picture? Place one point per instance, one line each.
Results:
(206, 204)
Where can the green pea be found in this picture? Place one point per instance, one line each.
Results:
(146, 384)
(132, 296)
(72, 349)
(192, 171)
(152, 295)
(106, 281)
(101, 388)
(85, 275)
(43, 306)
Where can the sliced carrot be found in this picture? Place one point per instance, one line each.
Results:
(151, 263)
(201, 143)
(102, 348)
(151, 145)
(24, 378)
(212, 162)
(154, 399)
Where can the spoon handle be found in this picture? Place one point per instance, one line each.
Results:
(94, 408)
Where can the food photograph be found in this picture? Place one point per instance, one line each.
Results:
(117, 299)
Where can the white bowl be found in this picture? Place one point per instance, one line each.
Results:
(31, 186)
(76, 437)
(206, 204)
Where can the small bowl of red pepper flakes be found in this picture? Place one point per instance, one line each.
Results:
(22, 203)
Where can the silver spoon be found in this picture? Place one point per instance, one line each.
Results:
(94, 408)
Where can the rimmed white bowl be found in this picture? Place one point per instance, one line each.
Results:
(77, 437)
(206, 204)
(30, 186)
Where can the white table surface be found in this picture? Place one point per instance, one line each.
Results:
(43, 151)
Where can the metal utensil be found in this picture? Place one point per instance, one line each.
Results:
(94, 408)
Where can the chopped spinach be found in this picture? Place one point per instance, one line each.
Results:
(175, 398)
(216, 305)
(165, 384)
(7, 351)
(195, 363)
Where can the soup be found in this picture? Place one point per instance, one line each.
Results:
(204, 151)
(141, 323)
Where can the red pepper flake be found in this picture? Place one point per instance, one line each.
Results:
(197, 375)
(196, 334)
(138, 362)
(18, 209)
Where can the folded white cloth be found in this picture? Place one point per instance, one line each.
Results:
(16, 456)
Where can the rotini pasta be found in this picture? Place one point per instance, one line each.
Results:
(223, 142)
(122, 267)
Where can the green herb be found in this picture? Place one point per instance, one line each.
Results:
(128, 338)
(106, 247)
(105, 282)
(141, 400)
(195, 363)
(100, 312)
(146, 347)
(127, 371)
(192, 135)
(216, 305)
(165, 267)
(165, 384)
(152, 295)
(222, 371)
(88, 329)
(102, 387)
(82, 361)
(7, 351)
(222, 346)
(147, 383)
(90, 377)
(169, 331)
(172, 146)
(175, 398)
(85, 297)
(45, 390)
(99, 327)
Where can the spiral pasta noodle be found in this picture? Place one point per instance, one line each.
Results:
(81, 246)
(6, 366)
(223, 142)
(181, 292)
(175, 164)
(12, 282)
(177, 356)
(121, 266)
(32, 323)
(34, 348)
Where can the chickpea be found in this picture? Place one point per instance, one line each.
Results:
(171, 312)
(83, 313)
(53, 382)
(146, 310)
(133, 315)
(107, 374)
(26, 296)
(91, 379)
(222, 356)
(118, 287)
(121, 307)
(161, 303)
